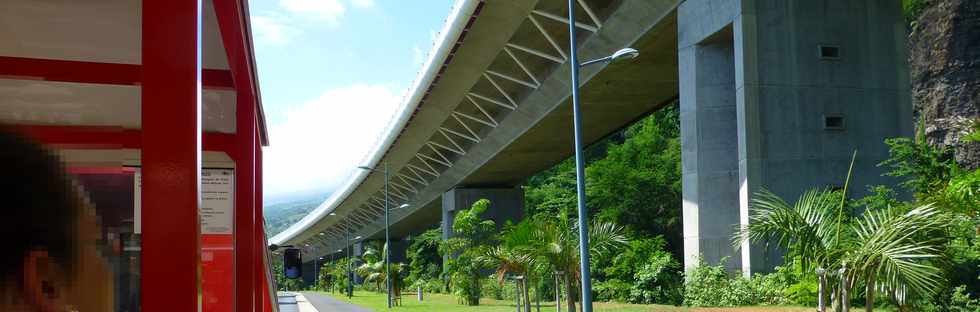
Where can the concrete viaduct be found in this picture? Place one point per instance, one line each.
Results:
(773, 93)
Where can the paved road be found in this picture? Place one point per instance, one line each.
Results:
(324, 303)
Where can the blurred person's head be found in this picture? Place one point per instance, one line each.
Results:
(39, 225)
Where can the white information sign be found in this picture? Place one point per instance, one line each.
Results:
(217, 201)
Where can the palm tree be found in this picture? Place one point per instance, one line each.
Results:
(555, 241)
(373, 269)
(890, 251)
(514, 255)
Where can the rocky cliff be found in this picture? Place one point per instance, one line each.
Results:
(944, 55)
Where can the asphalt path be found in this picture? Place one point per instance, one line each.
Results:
(324, 303)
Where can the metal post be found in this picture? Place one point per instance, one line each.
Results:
(517, 289)
(350, 275)
(558, 291)
(845, 296)
(583, 229)
(419, 292)
(521, 290)
(387, 247)
(821, 289)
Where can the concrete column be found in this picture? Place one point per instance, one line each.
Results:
(506, 204)
(399, 246)
(308, 276)
(709, 146)
(814, 80)
(357, 249)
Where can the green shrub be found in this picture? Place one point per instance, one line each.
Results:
(433, 286)
(612, 290)
(493, 289)
(960, 301)
(797, 287)
(924, 168)
(658, 281)
(643, 273)
(803, 293)
(705, 284)
(711, 286)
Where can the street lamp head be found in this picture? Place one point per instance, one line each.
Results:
(403, 206)
(365, 168)
(333, 213)
(321, 233)
(624, 54)
(357, 238)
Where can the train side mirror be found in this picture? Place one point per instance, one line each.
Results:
(292, 263)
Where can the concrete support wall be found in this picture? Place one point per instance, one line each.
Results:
(506, 204)
(786, 91)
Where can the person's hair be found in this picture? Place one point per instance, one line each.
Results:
(37, 205)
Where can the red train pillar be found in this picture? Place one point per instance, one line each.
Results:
(261, 287)
(245, 234)
(171, 155)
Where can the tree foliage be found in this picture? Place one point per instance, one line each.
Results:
(633, 179)
(471, 236)
(424, 260)
(638, 183)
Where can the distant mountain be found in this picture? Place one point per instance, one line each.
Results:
(273, 199)
(287, 210)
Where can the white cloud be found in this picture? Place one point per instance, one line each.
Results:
(321, 141)
(363, 3)
(329, 11)
(417, 56)
(272, 28)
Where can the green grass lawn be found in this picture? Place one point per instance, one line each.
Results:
(442, 302)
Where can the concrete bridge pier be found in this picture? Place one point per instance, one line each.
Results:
(399, 246)
(506, 204)
(356, 250)
(778, 94)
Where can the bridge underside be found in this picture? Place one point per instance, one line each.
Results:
(765, 88)
(612, 99)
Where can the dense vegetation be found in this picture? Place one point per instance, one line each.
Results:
(913, 252)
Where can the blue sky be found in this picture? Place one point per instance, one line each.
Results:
(332, 74)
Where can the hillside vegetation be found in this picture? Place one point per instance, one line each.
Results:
(280, 216)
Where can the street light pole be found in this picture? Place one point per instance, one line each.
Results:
(350, 275)
(387, 246)
(583, 230)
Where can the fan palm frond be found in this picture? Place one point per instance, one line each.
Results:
(806, 228)
(897, 249)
